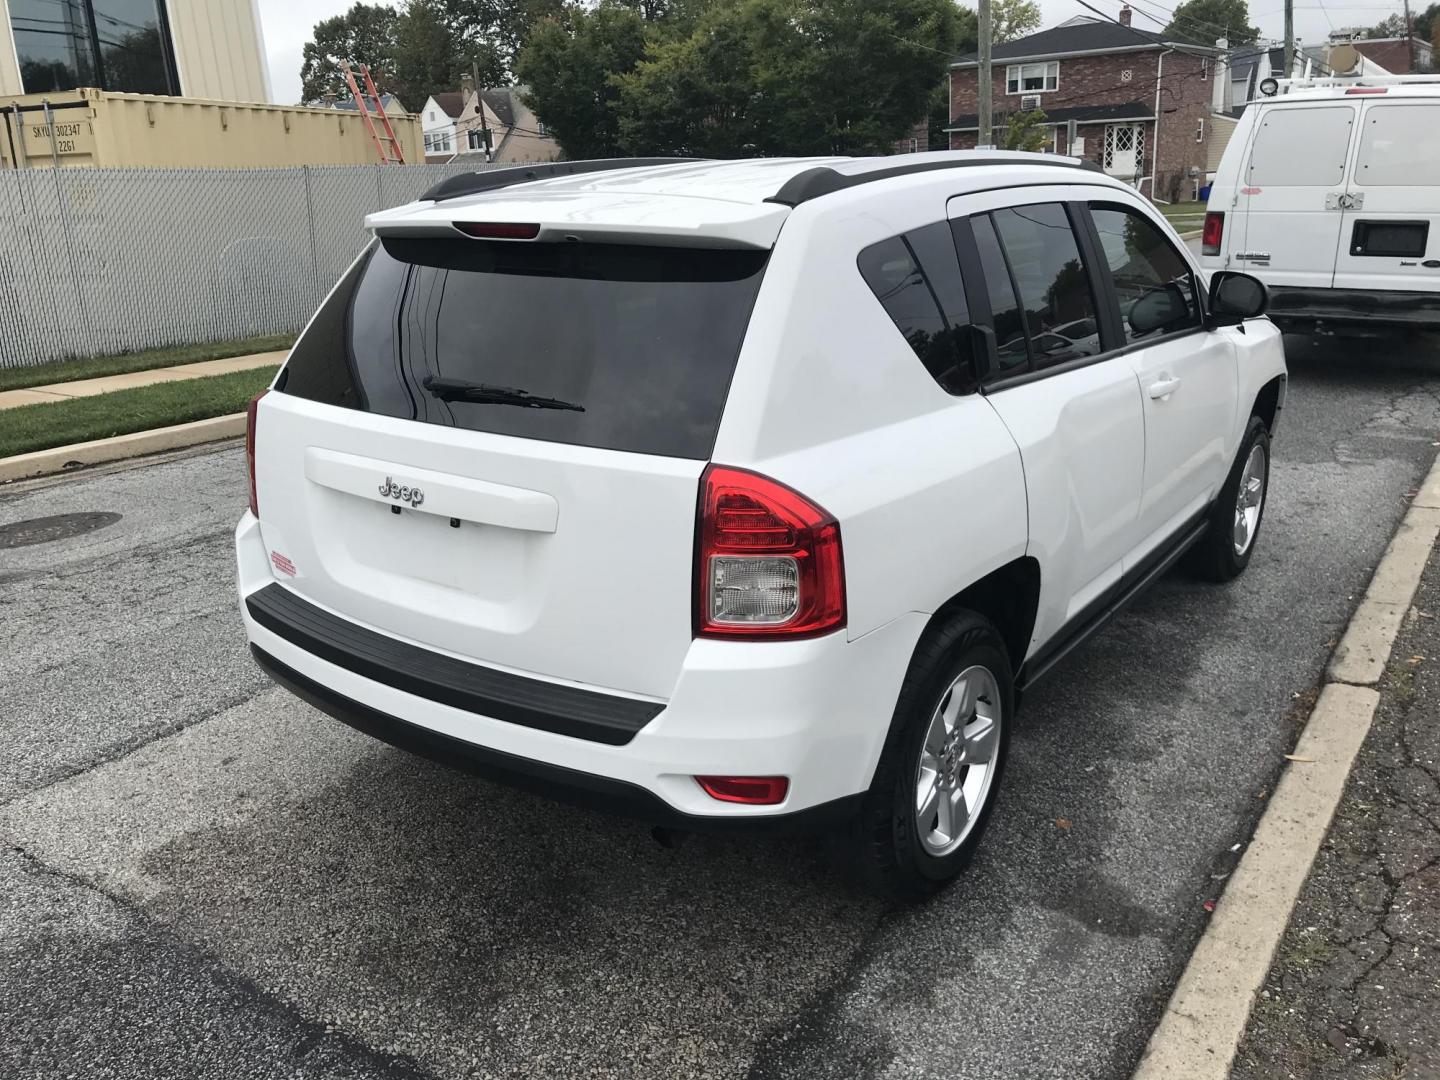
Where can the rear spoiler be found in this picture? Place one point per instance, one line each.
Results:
(492, 179)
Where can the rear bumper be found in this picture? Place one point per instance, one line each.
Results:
(1301, 309)
(816, 711)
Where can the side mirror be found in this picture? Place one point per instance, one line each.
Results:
(1158, 308)
(1236, 297)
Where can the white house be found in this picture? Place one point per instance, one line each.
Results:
(437, 122)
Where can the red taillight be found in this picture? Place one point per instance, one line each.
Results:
(768, 560)
(1212, 233)
(250, 448)
(753, 790)
(498, 230)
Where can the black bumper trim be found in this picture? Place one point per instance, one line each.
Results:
(1305, 307)
(555, 781)
(501, 695)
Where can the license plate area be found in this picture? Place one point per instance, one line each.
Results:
(1390, 239)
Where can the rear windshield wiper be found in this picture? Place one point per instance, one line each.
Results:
(485, 394)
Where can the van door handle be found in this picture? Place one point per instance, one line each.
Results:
(1163, 388)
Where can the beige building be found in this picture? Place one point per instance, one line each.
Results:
(208, 49)
(516, 133)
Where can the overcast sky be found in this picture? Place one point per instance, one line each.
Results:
(287, 25)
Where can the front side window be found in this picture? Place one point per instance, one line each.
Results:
(1032, 78)
(916, 278)
(1142, 260)
(120, 45)
(1051, 282)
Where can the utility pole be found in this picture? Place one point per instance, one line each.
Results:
(1289, 39)
(480, 106)
(986, 136)
(1409, 39)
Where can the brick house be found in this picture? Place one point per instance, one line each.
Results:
(1142, 103)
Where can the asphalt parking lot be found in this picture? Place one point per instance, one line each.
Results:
(201, 876)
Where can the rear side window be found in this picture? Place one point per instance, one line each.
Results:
(1142, 260)
(916, 278)
(1300, 147)
(626, 347)
(1012, 350)
(1398, 146)
(1050, 281)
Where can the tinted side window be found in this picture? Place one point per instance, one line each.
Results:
(1012, 350)
(916, 278)
(1051, 280)
(1142, 260)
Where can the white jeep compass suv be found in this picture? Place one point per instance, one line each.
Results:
(748, 494)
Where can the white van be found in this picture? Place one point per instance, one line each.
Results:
(1329, 192)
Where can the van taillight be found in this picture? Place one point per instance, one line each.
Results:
(768, 560)
(1212, 233)
(250, 448)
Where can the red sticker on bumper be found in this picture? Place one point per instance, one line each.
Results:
(281, 563)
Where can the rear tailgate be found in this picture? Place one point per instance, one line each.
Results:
(492, 449)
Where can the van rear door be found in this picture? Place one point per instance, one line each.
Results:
(1390, 228)
(1296, 166)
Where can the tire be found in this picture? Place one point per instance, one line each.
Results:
(1218, 555)
(888, 851)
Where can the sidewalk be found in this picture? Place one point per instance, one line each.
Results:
(1354, 989)
(39, 395)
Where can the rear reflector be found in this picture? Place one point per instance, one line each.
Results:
(1212, 233)
(498, 230)
(250, 413)
(752, 790)
(768, 561)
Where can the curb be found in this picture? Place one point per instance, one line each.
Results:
(1193, 234)
(1206, 1017)
(120, 447)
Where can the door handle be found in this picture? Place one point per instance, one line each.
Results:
(1164, 387)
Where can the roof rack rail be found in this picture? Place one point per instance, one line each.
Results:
(823, 180)
(1324, 82)
(476, 182)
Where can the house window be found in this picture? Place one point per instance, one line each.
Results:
(1200, 131)
(914, 146)
(1032, 78)
(1204, 68)
(121, 45)
(540, 129)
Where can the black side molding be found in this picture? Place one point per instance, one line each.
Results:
(502, 695)
(494, 179)
(823, 180)
(555, 781)
(1112, 601)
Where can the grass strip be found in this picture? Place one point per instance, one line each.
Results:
(40, 427)
(94, 367)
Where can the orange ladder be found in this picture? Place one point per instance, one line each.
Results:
(385, 142)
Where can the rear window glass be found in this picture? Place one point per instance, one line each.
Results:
(1051, 281)
(626, 347)
(1398, 146)
(1300, 147)
(916, 278)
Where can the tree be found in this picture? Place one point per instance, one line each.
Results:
(1026, 131)
(1388, 27)
(1427, 23)
(1203, 21)
(1011, 19)
(429, 52)
(569, 63)
(788, 77)
(363, 35)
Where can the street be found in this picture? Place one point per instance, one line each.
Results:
(202, 876)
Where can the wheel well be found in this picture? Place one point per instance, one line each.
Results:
(1267, 402)
(1009, 597)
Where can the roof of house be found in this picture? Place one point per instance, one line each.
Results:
(451, 102)
(1393, 54)
(385, 101)
(499, 100)
(1082, 114)
(1069, 38)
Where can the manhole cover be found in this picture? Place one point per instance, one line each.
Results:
(48, 529)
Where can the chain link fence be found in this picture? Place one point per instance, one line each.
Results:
(100, 261)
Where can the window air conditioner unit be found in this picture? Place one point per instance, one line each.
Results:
(1029, 102)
